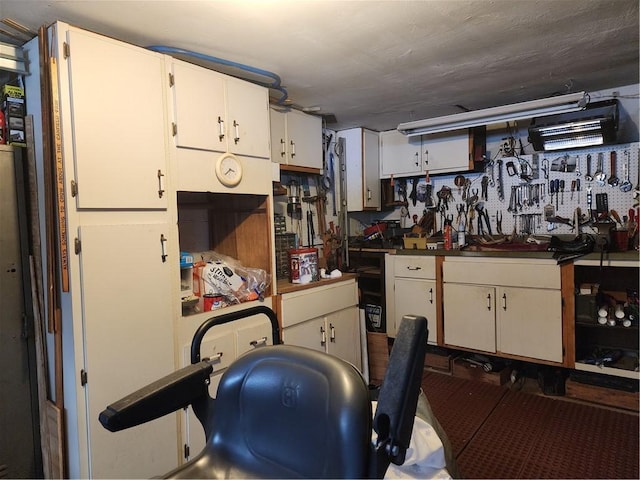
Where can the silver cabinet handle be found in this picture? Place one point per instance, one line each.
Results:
(283, 144)
(488, 301)
(163, 242)
(160, 184)
(417, 162)
(220, 128)
(332, 336)
(215, 359)
(414, 268)
(257, 343)
(431, 295)
(368, 194)
(426, 158)
(236, 138)
(323, 334)
(293, 148)
(504, 301)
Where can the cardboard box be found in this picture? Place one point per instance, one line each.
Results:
(439, 361)
(469, 371)
(13, 107)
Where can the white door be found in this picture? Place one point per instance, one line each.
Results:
(469, 316)
(310, 334)
(305, 139)
(416, 297)
(119, 123)
(371, 159)
(128, 343)
(278, 136)
(446, 152)
(530, 323)
(199, 106)
(247, 118)
(343, 335)
(398, 155)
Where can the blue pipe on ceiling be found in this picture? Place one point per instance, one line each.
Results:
(276, 84)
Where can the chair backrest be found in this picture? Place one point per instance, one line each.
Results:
(287, 412)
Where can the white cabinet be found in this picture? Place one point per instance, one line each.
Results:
(127, 324)
(362, 155)
(448, 152)
(117, 311)
(411, 290)
(399, 155)
(215, 112)
(438, 153)
(504, 306)
(119, 123)
(223, 344)
(324, 318)
(296, 138)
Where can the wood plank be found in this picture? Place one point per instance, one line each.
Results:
(602, 395)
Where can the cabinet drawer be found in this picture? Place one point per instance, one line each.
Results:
(254, 336)
(317, 302)
(521, 273)
(415, 266)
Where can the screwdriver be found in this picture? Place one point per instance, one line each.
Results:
(578, 189)
(573, 188)
(562, 192)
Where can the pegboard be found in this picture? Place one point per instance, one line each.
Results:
(535, 166)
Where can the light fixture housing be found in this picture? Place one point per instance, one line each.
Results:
(596, 125)
(524, 110)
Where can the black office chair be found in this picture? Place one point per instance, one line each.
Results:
(288, 412)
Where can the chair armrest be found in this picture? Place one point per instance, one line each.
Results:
(398, 398)
(168, 394)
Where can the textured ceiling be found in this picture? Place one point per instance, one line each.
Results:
(379, 63)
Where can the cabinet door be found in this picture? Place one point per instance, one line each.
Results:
(469, 316)
(416, 297)
(447, 152)
(371, 168)
(343, 335)
(199, 108)
(119, 123)
(247, 118)
(277, 122)
(398, 155)
(128, 343)
(304, 146)
(530, 323)
(310, 334)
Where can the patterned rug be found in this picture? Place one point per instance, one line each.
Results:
(499, 433)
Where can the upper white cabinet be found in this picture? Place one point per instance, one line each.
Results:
(119, 122)
(448, 152)
(296, 138)
(438, 153)
(399, 156)
(362, 158)
(219, 113)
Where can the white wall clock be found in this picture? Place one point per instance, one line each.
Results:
(229, 170)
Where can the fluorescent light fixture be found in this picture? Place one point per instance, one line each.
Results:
(596, 125)
(506, 113)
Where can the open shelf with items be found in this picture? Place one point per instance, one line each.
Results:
(368, 264)
(606, 321)
(233, 226)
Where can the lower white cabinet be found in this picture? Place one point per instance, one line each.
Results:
(504, 306)
(413, 283)
(222, 344)
(324, 318)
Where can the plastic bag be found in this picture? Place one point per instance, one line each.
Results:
(226, 276)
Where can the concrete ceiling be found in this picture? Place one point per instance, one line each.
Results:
(379, 63)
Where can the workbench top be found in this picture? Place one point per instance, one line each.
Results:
(285, 286)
